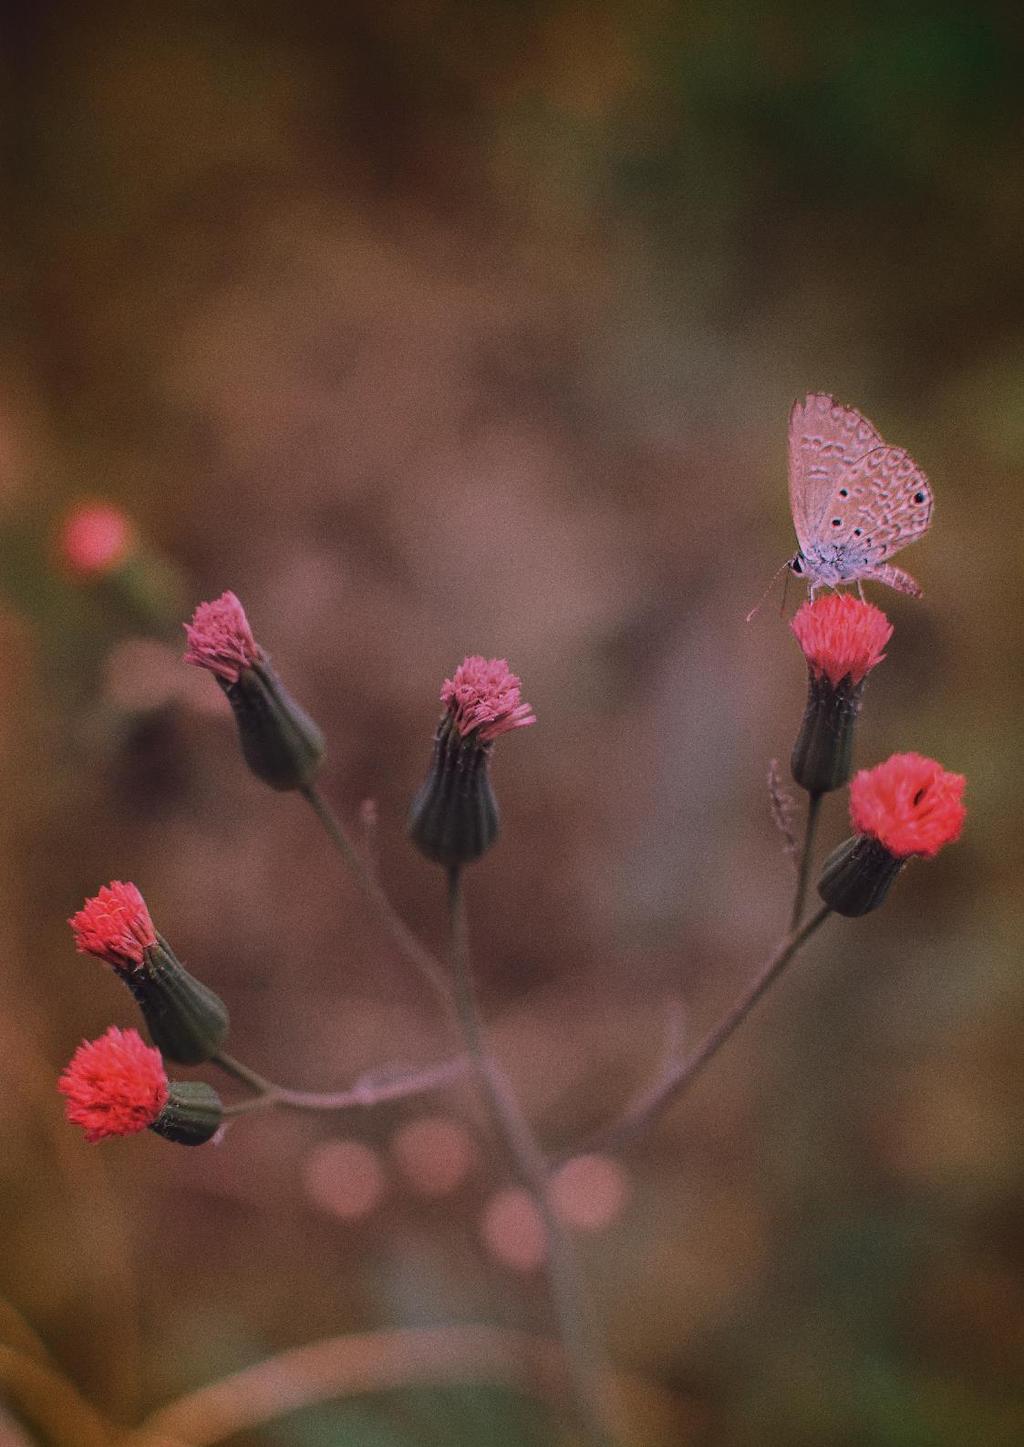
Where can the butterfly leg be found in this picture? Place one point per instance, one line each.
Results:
(892, 578)
(860, 590)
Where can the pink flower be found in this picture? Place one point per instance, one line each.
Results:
(841, 636)
(114, 925)
(115, 1085)
(483, 698)
(94, 538)
(910, 804)
(220, 639)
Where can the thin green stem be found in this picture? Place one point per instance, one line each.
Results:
(230, 1066)
(366, 878)
(368, 1092)
(806, 854)
(677, 1078)
(563, 1272)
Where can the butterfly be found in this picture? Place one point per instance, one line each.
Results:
(855, 500)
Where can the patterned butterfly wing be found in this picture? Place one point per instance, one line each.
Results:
(883, 501)
(824, 438)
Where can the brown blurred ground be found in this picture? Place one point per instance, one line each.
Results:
(438, 328)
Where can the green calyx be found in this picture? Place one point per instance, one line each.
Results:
(280, 742)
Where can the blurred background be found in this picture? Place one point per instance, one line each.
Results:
(433, 328)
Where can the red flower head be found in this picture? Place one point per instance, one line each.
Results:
(841, 637)
(94, 538)
(115, 1085)
(220, 639)
(114, 926)
(483, 699)
(909, 804)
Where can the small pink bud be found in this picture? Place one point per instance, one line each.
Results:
(454, 817)
(280, 742)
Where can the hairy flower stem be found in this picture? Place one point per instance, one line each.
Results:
(567, 1292)
(806, 854)
(678, 1078)
(365, 876)
(365, 1093)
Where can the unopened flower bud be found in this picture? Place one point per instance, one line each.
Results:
(907, 806)
(280, 742)
(454, 817)
(842, 639)
(186, 1020)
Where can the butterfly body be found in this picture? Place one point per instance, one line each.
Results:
(855, 500)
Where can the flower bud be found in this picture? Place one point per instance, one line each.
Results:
(186, 1020)
(454, 817)
(192, 1114)
(842, 640)
(907, 806)
(280, 742)
(117, 1086)
(858, 875)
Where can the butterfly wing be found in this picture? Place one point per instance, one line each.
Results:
(824, 438)
(882, 502)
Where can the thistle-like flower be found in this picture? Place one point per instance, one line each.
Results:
(842, 640)
(117, 1086)
(280, 742)
(907, 806)
(186, 1020)
(454, 817)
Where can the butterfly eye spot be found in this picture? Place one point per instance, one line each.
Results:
(844, 492)
(919, 497)
(857, 532)
(837, 522)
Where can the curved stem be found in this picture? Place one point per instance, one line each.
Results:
(532, 1167)
(804, 871)
(674, 1081)
(230, 1066)
(365, 877)
(343, 1367)
(49, 1403)
(367, 1092)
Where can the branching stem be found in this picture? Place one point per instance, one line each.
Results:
(365, 876)
(567, 1291)
(674, 1080)
(365, 1093)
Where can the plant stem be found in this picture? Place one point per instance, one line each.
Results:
(675, 1080)
(365, 1093)
(803, 874)
(365, 877)
(513, 1126)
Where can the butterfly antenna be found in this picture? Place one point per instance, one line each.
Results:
(785, 591)
(771, 584)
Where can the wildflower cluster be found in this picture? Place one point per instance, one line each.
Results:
(118, 1085)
